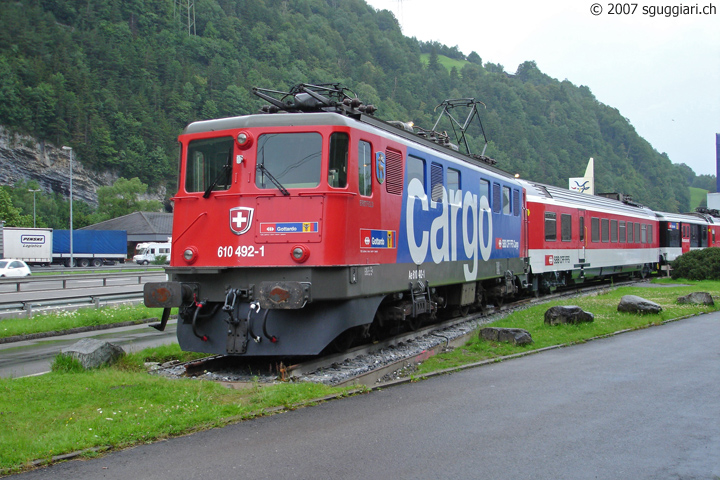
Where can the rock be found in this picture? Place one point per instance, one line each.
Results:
(697, 298)
(635, 304)
(516, 336)
(567, 314)
(92, 353)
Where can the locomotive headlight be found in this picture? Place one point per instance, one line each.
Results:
(190, 254)
(300, 253)
(244, 140)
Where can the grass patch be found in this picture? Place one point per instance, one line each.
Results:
(697, 195)
(607, 321)
(70, 410)
(83, 317)
(446, 62)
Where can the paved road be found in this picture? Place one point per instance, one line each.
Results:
(32, 357)
(642, 405)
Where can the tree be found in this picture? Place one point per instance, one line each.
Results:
(10, 214)
(123, 198)
(474, 58)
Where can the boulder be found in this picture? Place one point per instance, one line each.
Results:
(567, 314)
(92, 353)
(635, 304)
(516, 336)
(697, 298)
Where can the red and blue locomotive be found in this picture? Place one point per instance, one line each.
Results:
(313, 224)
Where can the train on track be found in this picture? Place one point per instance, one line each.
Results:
(312, 225)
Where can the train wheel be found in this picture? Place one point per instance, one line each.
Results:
(413, 323)
(343, 341)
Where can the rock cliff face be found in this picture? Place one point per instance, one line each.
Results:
(24, 158)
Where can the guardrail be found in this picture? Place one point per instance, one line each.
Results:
(19, 307)
(65, 279)
(27, 309)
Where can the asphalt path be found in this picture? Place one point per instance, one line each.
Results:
(640, 405)
(33, 357)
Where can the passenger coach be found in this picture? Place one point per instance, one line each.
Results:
(573, 237)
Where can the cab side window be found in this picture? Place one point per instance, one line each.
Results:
(365, 168)
(337, 171)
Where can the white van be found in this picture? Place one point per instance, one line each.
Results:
(148, 252)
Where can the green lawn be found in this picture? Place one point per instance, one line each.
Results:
(444, 61)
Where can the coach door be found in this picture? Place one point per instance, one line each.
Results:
(582, 233)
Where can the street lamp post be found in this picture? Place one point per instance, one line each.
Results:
(33, 192)
(72, 258)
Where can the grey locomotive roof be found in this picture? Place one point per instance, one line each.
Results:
(575, 199)
(269, 120)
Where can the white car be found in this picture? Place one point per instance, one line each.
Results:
(13, 268)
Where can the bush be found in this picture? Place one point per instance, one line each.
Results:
(160, 260)
(698, 265)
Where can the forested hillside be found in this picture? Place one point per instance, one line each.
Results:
(118, 80)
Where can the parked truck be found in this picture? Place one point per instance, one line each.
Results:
(43, 246)
(31, 245)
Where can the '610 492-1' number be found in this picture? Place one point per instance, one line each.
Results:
(240, 251)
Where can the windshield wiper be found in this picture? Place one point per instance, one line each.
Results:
(224, 172)
(283, 190)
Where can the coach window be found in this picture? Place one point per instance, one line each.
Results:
(453, 185)
(550, 226)
(506, 201)
(436, 182)
(643, 233)
(595, 229)
(516, 202)
(638, 238)
(605, 230)
(650, 234)
(337, 173)
(630, 230)
(613, 231)
(416, 169)
(622, 231)
(497, 198)
(582, 229)
(365, 168)
(209, 162)
(485, 190)
(565, 227)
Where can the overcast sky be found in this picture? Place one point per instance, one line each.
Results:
(662, 73)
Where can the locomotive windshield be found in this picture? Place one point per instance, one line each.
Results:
(291, 159)
(209, 165)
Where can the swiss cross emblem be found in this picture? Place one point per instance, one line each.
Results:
(240, 219)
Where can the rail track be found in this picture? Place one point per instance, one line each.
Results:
(363, 365)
